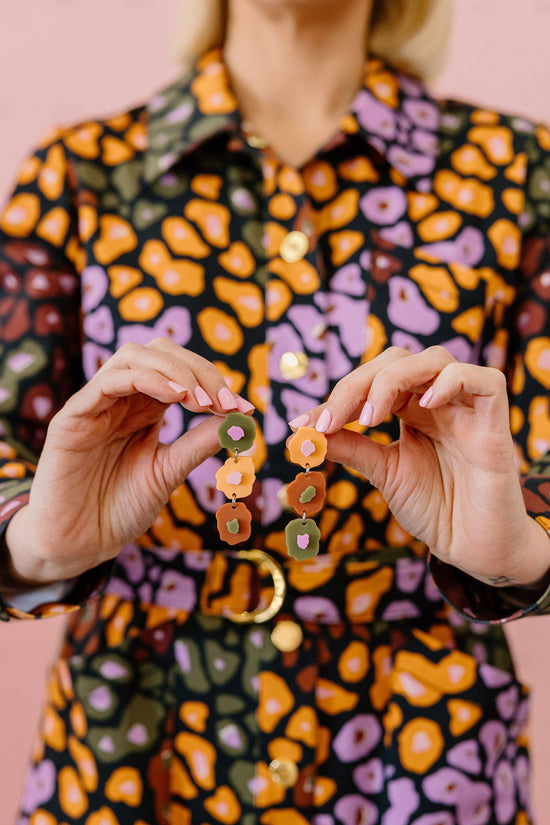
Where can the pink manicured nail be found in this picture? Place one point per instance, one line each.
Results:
(367, 414)
(244, 406)
(426, 398)
(176, 387)
(203, 399)
(299, 421)
(324, 420)
(226, 399)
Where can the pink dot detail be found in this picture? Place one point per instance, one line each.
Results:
(307, 448)
(235, 432)
(302, 541)
(235, 477)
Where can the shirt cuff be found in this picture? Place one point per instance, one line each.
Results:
(58, 598)
(483, 603)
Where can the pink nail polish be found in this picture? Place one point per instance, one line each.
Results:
(299, 421)
(367, 414)
(426, 398)
(244, 406)
(324, 420)
(203, 399)
(176, 387)
(226, 399)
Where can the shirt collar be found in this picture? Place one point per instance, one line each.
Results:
(393, 112)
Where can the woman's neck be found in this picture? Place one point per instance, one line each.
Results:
(295, 66)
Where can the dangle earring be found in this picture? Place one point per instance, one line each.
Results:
(306, 493)
(236, 477)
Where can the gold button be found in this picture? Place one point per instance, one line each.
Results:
(284, 772)
(256, 142)
(287, 636)
(293, 365)
(294, 247)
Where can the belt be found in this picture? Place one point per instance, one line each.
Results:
(252, 586)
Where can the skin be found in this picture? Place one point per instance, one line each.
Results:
(450, 479)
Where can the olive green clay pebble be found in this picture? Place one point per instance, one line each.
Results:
(237, 432)
(309, 493)
(302, 538)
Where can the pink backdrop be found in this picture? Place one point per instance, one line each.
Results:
(63, 60)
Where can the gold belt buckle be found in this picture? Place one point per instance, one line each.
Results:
(262, 614)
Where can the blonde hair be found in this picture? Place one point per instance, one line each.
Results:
(411, 36)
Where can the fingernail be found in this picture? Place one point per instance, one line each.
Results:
(324, 420)
(176, 387)
(226, 399)
(244, 406)
(426, 398)
(367, 414)
(203, 399)
(299, 421)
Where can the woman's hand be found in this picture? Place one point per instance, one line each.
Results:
(451, 479)
(103, 475)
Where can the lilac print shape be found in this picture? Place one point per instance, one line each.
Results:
(374, 116)
(407, 308)
(94, 285)
(302, 540)
(235, 432)
(384, 205)
(99, 326)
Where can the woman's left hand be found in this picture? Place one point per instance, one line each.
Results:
(451, 479)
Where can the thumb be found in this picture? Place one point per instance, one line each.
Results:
(360, 453)
(189, 450)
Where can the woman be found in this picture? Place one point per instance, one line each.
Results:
(379, 266)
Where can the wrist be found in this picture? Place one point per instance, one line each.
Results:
(21, 567)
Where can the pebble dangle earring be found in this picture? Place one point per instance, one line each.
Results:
(306, 493)
(236, 477)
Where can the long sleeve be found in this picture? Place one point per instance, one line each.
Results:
(40, 363)
(529, 385)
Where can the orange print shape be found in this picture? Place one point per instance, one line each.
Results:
(420, 745)
(465, 194)
(212, 220)
(470, 160)
(278, 298)
(275, 701)
(20, 215)
(497, 143)
(200, 756)
(53, 226)
(52, 174)
(537, 360)
(142, 304)
(506, 239)
(301, 276)
(224, 806)
(122, 279)
(72, 799)
(125, 785)
(464, 715)
(115, 151)
(363, 595)
(115, 239)
(173, 277)
(437, 285)
(207, 186)
(220, 331)
(212, 92)
(183, 239)
(245, 299)
(84, 141)
(320, 181)
(343, 244)
(238, 260)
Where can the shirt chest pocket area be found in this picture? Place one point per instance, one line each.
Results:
(416, 302)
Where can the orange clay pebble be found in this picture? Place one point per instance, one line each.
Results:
(307, 447)
(234, 522)
(307, 493)
(236, 477)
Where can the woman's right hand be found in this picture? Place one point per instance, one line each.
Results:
(103, 475)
